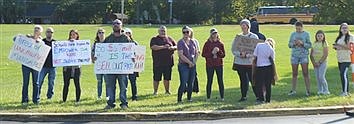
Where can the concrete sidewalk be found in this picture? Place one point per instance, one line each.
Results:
(168, 116)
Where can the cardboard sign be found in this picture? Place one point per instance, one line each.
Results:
(139, 58)
(29, 53)
(246, 44)
(114, 58)
(71, 53)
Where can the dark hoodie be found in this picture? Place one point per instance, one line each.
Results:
(255, 29)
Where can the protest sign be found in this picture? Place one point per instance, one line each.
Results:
(29, 53)
(114, 58)
(71, 53)
(139, 58)
(246, 44)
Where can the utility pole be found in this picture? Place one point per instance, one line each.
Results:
(122, 10)
(170, 19)
(138, 11)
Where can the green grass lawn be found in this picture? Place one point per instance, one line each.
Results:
(11, 77)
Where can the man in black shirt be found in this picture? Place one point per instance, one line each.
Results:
(48, 66)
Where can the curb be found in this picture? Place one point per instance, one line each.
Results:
(171, 116)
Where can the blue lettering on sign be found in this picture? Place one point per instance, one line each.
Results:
(25, 43)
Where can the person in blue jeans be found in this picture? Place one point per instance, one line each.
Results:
(26, 71)
(132, 77)
(48, 66)
(111, 79)
(99, 39)
(187, 53)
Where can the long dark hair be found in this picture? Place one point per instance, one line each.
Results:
(97, 39)
(324, 36)
(347, 36)
(76, 32)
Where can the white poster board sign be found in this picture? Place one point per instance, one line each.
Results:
(71, 53)
(114, 58)
(139, 58)
(29, 53)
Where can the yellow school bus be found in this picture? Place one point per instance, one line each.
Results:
(284, 14)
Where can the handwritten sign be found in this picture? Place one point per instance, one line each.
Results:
(29, 53)
(71, 53)
(114, 58)
(139, 58)
(246, 44)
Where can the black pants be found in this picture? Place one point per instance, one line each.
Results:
(210, 74)
(343, 69)
(264, 76)
(70, 73)
(245, 75)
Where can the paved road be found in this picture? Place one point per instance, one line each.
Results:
(310, 119)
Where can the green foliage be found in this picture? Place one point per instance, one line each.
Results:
(184, 11)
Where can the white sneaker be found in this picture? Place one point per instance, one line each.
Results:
(291, 93)
(107, 98)
(344, 94)
(320, 93)
(326, 93)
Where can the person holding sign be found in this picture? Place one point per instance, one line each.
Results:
(342, 47)
(48, 66)
(214, 52)
(300, 44)
(163, 47)
(99, 39)
(132, 77)
(187, 53)
(243, 61)
(26, 71)
(72, 72)
(111, 79)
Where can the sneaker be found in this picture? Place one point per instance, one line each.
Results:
(291, 93)
(24, 104)
(344, 94)
(135, 99)
(167, 93)
(190, 100)
(208, 99)
(222, 99)
(77, 103)
(320, 93)
(124, 107)
(108, 107)
(155, 93)
(258, 102)
(107, 98)
(242, 99)
(326, 93)
(99, 98)
(308, 93)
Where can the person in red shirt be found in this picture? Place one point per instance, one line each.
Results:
(214, 52)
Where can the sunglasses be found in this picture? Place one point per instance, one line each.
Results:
(49, 32)
(116, 23)
(185, 32)
(100, 32)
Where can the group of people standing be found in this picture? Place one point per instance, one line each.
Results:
(257, 68)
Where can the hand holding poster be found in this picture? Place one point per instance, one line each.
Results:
(139, 58)
(71, 53)
(246, 44)
(29, 53)
(114, 58)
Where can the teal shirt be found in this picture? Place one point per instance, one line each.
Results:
(302, 51)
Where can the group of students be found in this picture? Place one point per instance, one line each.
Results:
(257, 67)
